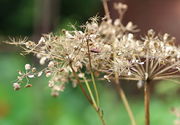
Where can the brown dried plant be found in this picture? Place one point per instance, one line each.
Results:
(107, 47)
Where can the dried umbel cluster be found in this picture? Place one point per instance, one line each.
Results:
(104, 46)
(111, 46)
(151, 58)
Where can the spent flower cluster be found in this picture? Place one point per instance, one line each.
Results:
(106, 47)
(112, 47)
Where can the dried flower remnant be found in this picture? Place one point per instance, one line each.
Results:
(105, 46)
(152, 58)
(27, 67)
(28, 85)
(16, 86)
(71, 47)
(68, 54)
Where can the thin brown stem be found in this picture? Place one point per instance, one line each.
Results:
(100, 114)
(121, 92)
(124, 99)
(166, 77)
(94, 104)
(92, 75)
(97, 109)
(147, 64)
(106, 10)
(146, 102)
(167, 68)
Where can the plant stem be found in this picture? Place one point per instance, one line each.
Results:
(117, 83)
(124, 99)
(95, 88)
(90, 99)
(80, 85)
(92, 75)
(106, 9)
(146, 102)
(90, 92)
(95, 106)
(100, 114)
(121, 92)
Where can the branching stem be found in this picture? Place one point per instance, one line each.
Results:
(94, 105)
(90, 99)
(80, 85)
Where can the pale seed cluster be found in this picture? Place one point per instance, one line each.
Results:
(105, 46)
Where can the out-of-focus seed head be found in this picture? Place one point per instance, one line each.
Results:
(51, 64)
(16, 86)
(28, 85)
(27, 67)
(54, 93)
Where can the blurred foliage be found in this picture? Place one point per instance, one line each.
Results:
(78, 12)
(16, 17)
(35, 106)
(167, 89)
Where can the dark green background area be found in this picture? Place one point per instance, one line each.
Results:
(17, 16)
(35, 106)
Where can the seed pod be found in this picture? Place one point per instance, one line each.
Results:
(28, 85)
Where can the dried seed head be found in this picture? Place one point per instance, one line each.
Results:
(107, 78)
(20, 73)
(16, 86)
(42, 60)
(51, 83)
(112, 49)
(19, 78)
(129, 73)
(51, 64)
(29, 44)
(60, 87)
(54, 93)
(42, 40)
(28, 85)
(31, 75)
(48, 74)
(33, 69)
(39, 73)
(81, 75)
(27, 67)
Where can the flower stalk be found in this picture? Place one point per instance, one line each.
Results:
(105, 5)
(124, 99)
(92, 74)
(80, 85)
(107, 47)
(94, 103)
(147, 102)
(90, 99)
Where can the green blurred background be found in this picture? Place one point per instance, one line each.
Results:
(35, 106)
